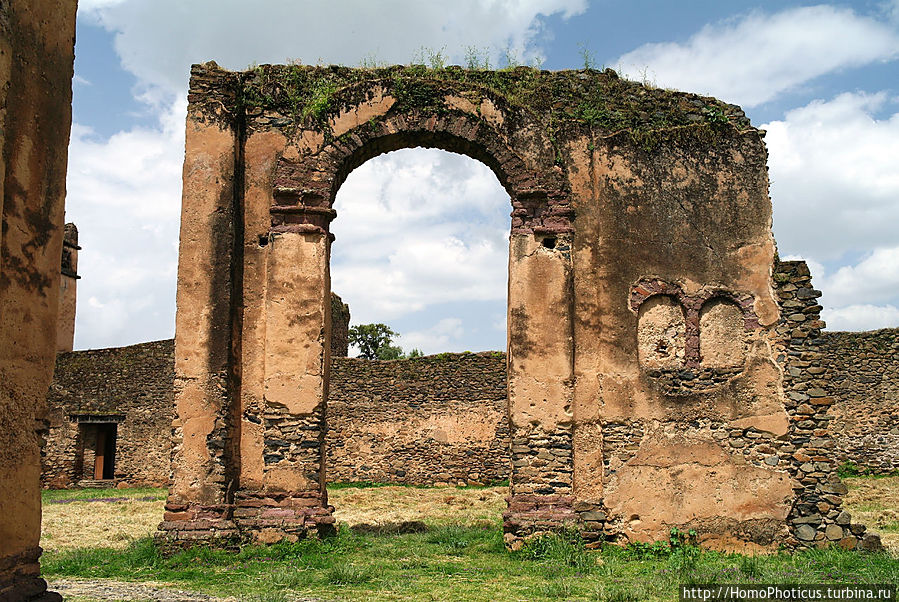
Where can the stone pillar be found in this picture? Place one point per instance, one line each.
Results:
(36, 66)
(198, 505)
(65, 322)
(291, 500)
(540, 384)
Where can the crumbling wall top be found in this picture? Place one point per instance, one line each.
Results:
(586, 99)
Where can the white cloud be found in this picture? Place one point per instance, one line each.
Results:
(440, 337)
(413, 224)
(158, 40)
(751, 59)
(861, 317)
(862, 296)
(417, 228)
(834, 180)
(875, 279)
(124, 195)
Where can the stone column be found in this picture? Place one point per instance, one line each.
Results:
(291, 501)
(36, 65)
(198, 505)
(540, 384)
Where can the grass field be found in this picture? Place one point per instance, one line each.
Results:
(458, 556)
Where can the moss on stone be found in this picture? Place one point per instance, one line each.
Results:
(600, 102)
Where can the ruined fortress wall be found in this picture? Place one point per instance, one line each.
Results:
(864, 379)
(439, 419)
(128, 385)
(36, 66)
(436, 419)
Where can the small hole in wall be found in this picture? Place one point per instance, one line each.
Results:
(263, 240)
(549, 242)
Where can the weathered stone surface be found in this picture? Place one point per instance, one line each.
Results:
(805, 532)
(864, 380)
(130, 387)
(833, 532)
(654, 368)
(36, 66)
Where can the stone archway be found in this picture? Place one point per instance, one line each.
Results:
(619, 193)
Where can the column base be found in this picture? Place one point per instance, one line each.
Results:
(272, 517)
(20, 579)
(253, 517)
(528, 515)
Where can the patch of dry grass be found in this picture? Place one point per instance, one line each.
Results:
(81, 524)
(384, 506)
(92, 524)
(87, 524)
(875, 502)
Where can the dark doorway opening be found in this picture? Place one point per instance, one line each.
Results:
(104, 456)
(95, 458)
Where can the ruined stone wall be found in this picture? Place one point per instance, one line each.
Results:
(436, 419)
(36, 66)
(864, 380)
(68, 286)
(809, 452)
(340, 326)
(439, 419)
(130, 386)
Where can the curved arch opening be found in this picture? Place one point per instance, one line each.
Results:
(415, 141)
(421, 245)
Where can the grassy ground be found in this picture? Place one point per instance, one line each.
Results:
(98, 518)
(875, 502)
(459, 557)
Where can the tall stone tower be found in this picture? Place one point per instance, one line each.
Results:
(65, 323)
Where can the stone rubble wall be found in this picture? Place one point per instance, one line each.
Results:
(133, 383)
(864, 379)
(809, 453)
(439, 419)
(422, 421)
(391, 421)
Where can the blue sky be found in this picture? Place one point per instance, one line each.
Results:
(422, 234)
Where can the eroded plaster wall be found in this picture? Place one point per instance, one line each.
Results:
(36, 66)
(435, 420)
(627, 415)
(654, 441)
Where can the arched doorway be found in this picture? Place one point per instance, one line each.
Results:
(253, 420)
(421, 246)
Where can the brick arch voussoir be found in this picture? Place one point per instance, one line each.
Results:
(304, 189)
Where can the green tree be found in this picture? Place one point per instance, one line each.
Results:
(374, 340)
(390, 352)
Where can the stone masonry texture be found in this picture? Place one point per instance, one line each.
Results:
(130, 387)
(434, 420)
(442, 419)
(439, 419)
(863, 378)
(36, 67)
